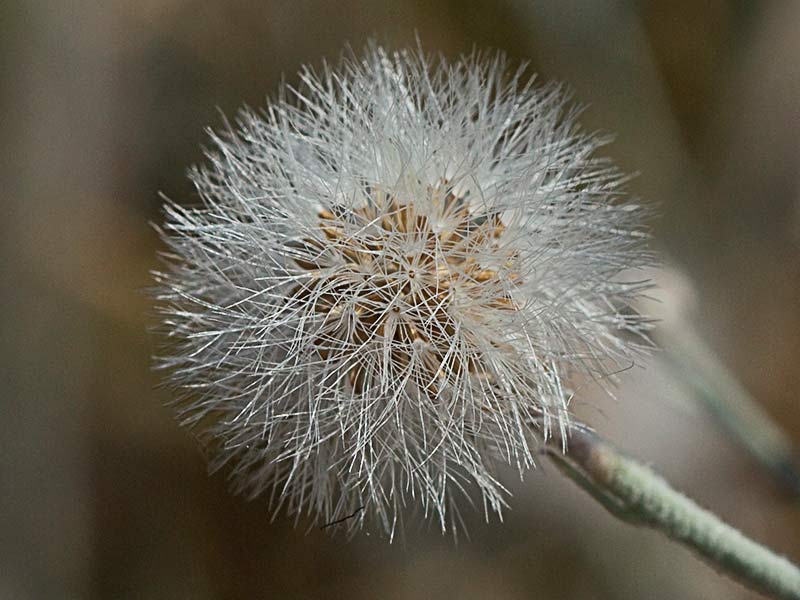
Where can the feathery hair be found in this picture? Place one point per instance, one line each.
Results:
(394, 269)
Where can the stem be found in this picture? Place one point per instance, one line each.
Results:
(635, 494)
(731, 405)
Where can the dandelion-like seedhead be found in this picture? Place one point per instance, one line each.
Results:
(394, 269)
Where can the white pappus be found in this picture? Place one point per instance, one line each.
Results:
(394, 270)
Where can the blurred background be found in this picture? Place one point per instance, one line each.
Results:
(104, 105)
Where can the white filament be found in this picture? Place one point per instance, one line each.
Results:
(354, 386)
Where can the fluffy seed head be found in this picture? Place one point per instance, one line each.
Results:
(394, 269)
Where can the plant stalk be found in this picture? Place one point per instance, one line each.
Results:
(731, 405)
(637, 495)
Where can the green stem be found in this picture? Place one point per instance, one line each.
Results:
(731, 405)
(635, 494)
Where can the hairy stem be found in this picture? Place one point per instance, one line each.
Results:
(732, 406)
(635, 494)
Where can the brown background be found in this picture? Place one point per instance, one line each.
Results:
(105, 104)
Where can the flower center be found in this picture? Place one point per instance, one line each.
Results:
(385, 278)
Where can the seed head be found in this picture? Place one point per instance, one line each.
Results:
(394, 269)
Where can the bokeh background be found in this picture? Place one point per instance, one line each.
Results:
(104, 105)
